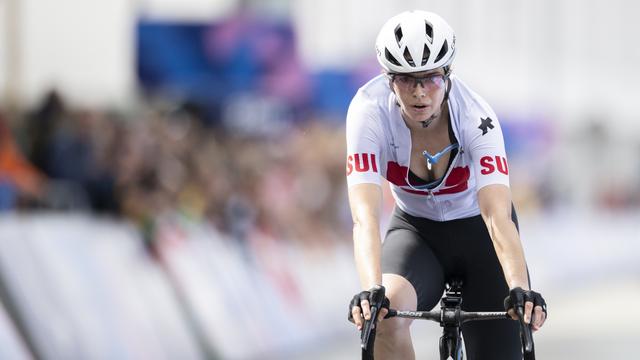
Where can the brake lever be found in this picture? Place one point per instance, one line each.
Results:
(377, 297)
(369, 326)
(525, 330)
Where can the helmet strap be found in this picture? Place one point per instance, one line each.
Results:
(448, 85)
(428, 122)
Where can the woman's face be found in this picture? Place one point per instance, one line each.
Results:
(420, 94)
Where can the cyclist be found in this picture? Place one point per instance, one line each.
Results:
(441, 149)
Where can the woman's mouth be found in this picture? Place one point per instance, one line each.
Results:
(420, 108)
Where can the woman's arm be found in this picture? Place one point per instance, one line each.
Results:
(495, 207)
(365, 201)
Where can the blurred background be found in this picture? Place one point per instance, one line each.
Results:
(172, 171)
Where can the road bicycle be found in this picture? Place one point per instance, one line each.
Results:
(451, 317)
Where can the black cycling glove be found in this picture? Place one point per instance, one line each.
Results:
(375, 296)
(517, 297)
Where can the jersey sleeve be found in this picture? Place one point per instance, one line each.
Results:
(364, 139)
(486, 149)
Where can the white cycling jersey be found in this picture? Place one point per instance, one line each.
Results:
(379, 144)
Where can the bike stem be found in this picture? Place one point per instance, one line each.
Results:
(450, 304)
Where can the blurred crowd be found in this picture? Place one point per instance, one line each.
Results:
(276, 180)
(163, 160)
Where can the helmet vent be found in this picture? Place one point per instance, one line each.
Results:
(390, 57)
(398, 33)
(443, 51)
(425, 55)
(429, 31)
(407, 56)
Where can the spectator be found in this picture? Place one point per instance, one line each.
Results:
(20, 181)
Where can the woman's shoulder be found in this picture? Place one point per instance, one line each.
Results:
(469, 106)
(371, 100)
(375, 91)
(465, 95)
(369, 111)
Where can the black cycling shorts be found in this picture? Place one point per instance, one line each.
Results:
(429, 253)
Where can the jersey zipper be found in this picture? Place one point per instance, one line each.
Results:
(431, 194)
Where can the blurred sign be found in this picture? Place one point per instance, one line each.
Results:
(185, 10)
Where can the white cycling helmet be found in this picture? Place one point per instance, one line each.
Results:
(415, 41)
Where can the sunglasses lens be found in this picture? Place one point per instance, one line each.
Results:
(430, 82)
(405, 80)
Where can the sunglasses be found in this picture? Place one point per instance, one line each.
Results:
(409, 82)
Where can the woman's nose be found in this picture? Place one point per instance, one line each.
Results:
(419, 90)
